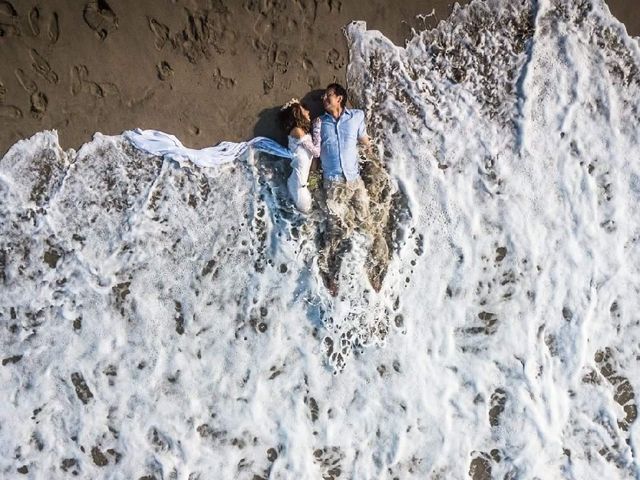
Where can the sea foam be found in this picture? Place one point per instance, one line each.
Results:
(162, 321)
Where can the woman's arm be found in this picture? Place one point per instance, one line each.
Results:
(313, 146)
(315, 129)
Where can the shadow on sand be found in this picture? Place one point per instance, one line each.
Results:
(268, 125)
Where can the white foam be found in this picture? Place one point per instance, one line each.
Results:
(511, 296)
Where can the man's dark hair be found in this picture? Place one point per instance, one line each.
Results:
(339, 90)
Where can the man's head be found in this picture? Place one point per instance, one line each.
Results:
(334, 98)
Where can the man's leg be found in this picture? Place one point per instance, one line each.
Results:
(337, 205)
(360, 205)
(372, 219)
(336, 233)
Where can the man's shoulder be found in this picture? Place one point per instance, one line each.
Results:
(352, 113)
(355, 113)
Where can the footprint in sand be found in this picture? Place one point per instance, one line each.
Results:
(160, 32)
(313, 78)
(80, 83)
(8, 20)
(54, 28)
(42, 67)
(10, 112)
(34, 21)
(280, 60)
(335, 59)
(94, 89)
(79, 74)
(107, 89)
(39, 103)
(99, 16)
(27, 84)
(331, 5)
(268, 82)
(222, 82)
(164, 70)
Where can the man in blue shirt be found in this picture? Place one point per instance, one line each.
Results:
(341, 129)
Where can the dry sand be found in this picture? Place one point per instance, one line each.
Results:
(204, 70)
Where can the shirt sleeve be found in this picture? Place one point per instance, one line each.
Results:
(362, 127)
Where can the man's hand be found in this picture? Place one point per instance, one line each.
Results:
(367, 148)
(365, 141)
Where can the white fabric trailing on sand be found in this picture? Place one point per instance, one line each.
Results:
(166, 145)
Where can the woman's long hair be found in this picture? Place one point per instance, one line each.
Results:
(291, 116)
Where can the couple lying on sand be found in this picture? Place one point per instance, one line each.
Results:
(333, 137)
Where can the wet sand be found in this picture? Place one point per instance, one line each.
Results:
(628, 12)
(203, 70)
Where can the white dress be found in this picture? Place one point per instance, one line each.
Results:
(303, 149)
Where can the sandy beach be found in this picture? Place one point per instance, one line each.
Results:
(204, 70)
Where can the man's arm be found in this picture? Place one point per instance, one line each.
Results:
(367, 147)
(364, 140)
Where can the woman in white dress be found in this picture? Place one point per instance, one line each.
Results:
(304, 145)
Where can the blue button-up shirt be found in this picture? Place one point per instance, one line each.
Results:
(339, 138)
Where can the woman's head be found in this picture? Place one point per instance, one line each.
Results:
(295, 114)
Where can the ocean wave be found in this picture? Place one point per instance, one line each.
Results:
(169, 321)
